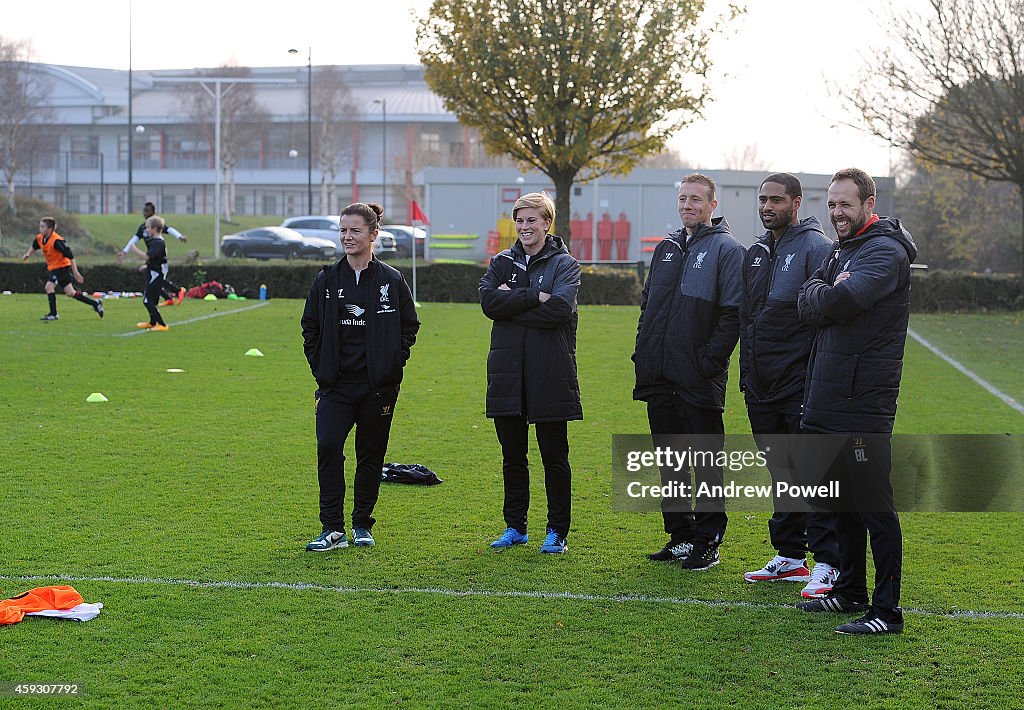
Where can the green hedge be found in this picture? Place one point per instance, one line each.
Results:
(435, 282)
(933, 292)
(952, 291)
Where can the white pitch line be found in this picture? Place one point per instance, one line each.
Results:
(198, 318)
(487, 593)
(960, 368)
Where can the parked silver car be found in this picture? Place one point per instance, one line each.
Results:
(326, 227)
(404, 236)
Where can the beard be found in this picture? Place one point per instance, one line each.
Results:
(778, 220)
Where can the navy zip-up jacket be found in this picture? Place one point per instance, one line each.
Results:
(533, 344)
(853, 375)
(391, 326)
(689, 316)
(774, 344)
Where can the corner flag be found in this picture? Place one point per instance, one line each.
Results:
(417, 214)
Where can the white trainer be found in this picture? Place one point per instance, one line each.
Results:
(823, 577)
(781, 569)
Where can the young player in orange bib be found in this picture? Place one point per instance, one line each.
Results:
(60, 263)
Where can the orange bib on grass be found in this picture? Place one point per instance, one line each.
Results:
(39, 599)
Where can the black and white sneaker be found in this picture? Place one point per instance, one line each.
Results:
(98, 308)
(833, 603)
(50, 316)
(327, 540)
(672, 552)
(870, 623)
(702, 557)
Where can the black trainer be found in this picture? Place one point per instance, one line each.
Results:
(98, 308)
(832, 603)
(49, 316)
(701, 558)
(871, 623)
(672, 552)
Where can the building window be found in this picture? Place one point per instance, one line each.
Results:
(455, 155)
(430, 149)
(269, 204)
(85, 151)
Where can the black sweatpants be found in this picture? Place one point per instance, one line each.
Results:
(669, 414)
(864, 465)
(151, 296)
(792, 533)
(553, 440)
(337, 410)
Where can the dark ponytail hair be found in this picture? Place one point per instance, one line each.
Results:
(370, 212)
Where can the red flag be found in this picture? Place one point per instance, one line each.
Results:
(417, 214)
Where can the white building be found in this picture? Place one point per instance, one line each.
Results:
(84, 162)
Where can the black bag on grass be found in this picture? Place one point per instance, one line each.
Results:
(412, 473)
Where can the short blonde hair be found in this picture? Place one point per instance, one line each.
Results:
(156, 221)
(536, 200)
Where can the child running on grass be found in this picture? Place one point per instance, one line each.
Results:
(60, 263)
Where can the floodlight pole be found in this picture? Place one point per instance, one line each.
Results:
(131, 129)
(309, 127)
(383, 154)
(216, 94)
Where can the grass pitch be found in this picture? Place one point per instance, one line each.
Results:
(195, 493)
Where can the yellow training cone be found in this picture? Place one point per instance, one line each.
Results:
(254, 352)
(96, 397)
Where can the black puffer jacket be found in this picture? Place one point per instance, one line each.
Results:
(774, 344)
(533, 344)
(853, 376)
(391, 326)
(689, 316)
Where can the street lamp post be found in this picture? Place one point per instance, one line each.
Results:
(131, 145)
(309, 127)
(384, 155)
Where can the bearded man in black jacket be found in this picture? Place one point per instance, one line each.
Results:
(774, 346)
(860, 302)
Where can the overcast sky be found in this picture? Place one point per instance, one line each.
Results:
(771, 78)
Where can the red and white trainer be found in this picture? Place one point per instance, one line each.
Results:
(823, 577)
(781, 569)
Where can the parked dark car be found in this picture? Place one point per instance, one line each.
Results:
(276, 243)
(326, 227)
(404, 235)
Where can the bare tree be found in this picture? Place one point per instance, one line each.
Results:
(23, 110)
(243, 124)
(745, 158)
(950, 89)
(669, 159)
(333, 114)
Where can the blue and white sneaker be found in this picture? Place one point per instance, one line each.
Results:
(361, 537)
(554, 543)
(510, 537)
(327, 540)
